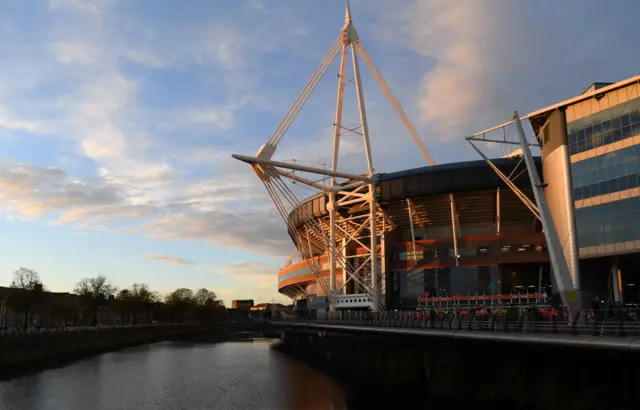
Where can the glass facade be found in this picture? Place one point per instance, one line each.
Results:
(614, 222)
(604, 127)
(611, 172)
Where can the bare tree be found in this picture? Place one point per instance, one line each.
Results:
(136, 298)
(26, 293)
(26, 279)
(94, 294)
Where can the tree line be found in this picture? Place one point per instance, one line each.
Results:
(96, 301)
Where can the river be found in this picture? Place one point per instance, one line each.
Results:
(172, 376)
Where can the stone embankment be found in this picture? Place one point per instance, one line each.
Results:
(23, 352)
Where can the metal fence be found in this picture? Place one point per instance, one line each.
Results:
(67, 329)
(610, 322)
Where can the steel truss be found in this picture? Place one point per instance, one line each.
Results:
(569, 293)
(339, 234)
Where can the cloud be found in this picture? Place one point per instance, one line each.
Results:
(487, 58)
(6, 121)
(33, 191)
(75, 52)
(170, 259)
(258, 280)
(249, 268)
(251, 230)
(195, 211)
(82, 6)
(221, 117)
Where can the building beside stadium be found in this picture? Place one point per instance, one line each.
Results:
(457, 229)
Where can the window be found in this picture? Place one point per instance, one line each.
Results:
(604, 127)
(609, 223)
(611, 172)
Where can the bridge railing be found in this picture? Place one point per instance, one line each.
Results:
(609, 322)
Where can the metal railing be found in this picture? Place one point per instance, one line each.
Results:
(16, 331)
(609, 322)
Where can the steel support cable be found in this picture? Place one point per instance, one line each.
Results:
(316, 271)
(527, 202)
(290, 197)
(274, 198)
(293, 201)
(294, 233)
(394, 103)
(515, 168)
(296, 204)
(285, 192)
(305, 93)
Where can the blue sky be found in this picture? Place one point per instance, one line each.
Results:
(118, 118)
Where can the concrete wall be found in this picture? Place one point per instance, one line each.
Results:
(429, 371)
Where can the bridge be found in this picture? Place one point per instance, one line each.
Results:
(610, 329)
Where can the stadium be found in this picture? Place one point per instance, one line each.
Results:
(563, 224)
(432, 212)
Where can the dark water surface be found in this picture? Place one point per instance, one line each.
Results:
(234, 375)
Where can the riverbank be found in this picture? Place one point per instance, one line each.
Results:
(24, 354)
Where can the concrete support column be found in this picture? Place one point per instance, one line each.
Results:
(556, 166)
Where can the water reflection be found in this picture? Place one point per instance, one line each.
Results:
(240, 375)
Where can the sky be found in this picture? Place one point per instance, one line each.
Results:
(118, 118)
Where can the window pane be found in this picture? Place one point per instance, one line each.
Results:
(573, 138)
(621, 169)
(617, 135)
(603, 187)
(577, 194)
(598, 141)
(623, 184)
(588, 143)
(615, 123)
(573, 149)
